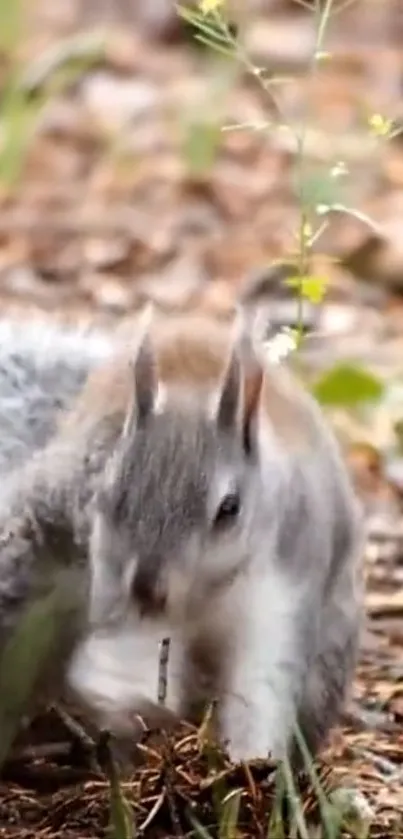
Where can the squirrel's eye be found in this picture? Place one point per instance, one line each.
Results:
(228, 510)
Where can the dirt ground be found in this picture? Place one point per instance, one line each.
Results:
(127, 191)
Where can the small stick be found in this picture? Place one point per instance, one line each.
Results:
(163, 670)
(168, 768)
(82, 743)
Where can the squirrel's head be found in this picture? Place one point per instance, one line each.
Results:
(174, 515)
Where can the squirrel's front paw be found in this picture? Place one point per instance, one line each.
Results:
(244, 752)
(252, 744)
(248, 737)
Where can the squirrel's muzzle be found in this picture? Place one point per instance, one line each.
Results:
(147, 587)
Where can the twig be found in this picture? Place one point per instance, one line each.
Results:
(81, 741)
(168, 767)
(42, 751)
(45, 777)
(153, 812)
(163, 671)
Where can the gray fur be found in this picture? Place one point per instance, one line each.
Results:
(46, 485)
(273, 599)
(45, 511)
(50, 478)
(263, 610)
(42, 368)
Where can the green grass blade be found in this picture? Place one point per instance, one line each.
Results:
(294, 800)
(275, 827)
(121, 815)
(228, 826)
(199, 831)
(330, 822)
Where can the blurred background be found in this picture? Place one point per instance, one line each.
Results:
(137, 163)
(126, 175)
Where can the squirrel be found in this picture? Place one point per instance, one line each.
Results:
(225, 519)
(192, 490)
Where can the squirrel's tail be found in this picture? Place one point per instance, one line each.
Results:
(43, 366)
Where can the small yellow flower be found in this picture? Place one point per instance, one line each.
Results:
(322, 55)
(208, 6)
(379, 125)
(313, 288)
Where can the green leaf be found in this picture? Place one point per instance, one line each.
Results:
(200, 146)
(55, 70)
(19, 117)
(67, 60)
(311, 287)
(347, 384)
(223, 49)
(11, 17)
(210, 30)
(214, 31)
(28, 651)
(319, 188)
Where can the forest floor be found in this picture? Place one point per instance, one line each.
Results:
(128, 190)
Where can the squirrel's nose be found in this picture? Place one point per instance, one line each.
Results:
(147, 588)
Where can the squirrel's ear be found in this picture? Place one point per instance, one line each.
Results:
(144, 379)
(230, 407)
(240, 393)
